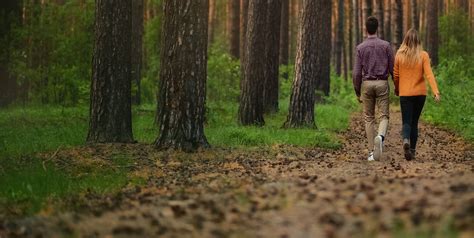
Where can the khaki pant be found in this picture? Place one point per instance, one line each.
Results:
(375, 93)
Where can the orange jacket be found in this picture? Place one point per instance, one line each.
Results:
(409, 81)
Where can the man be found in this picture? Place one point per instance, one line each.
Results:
(373, 65)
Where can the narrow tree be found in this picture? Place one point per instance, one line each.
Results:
(137, 46)
(397, 24)
(182, 84)
(379, 14)
(272, 55)
(244, 6)
(323, 51)
(251, 100)
(233, 27)
(339, 36)
(432, 32)
(387, 20)
(285, 32)
(314, 39)
(415, 16)
(110, 106)
(355, 22)
(211, 22)
(366, 13)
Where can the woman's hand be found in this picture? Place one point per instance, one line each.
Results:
(437, 97)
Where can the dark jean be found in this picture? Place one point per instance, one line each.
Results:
(411, 111)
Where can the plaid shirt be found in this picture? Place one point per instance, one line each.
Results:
(373, 59)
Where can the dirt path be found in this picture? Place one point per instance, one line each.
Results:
(282, 191)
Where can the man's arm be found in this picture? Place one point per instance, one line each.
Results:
(390, 59)
(357, 73)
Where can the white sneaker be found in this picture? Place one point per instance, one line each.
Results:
(378, 147)
(371, 156)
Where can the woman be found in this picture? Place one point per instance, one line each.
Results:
(411, 63)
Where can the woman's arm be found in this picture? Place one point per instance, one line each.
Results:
(429, 74)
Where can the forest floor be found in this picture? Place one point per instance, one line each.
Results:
(279, 191)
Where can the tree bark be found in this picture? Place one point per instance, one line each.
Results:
(285, 32)
(339, 36)
(387, 20)
(379, 13)
(182, 85)
(211, 22)
(251, 100)
(272, 55)
(294, 26)
(137, 46)
(356, 25)
(244, 6)
(366, 13)
(10, 13)
(432, 32)
(110, 107)
(309, 61)
(233, 27)
(397, 24)
(415, 16)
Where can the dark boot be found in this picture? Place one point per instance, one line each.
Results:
(413, 153)
(406, 149)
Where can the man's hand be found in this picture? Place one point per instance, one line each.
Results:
(397, 93)
(358, 99)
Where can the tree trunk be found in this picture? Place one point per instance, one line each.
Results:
(323, 50)
(233, 27)
(406, 11)
(366, 13)
(137, 46)
(415, 16)
(251, 100)
(339, 36)
(378, 12)
(387, 21)
(285, 32)
(309, 60)
(432, 32)
(356, 25)
(350, 31)
(244, 6)
(397, 24)
(211, 22)
(182, 85)
(8, 84)
(294, 26)
(110, 108)
(272, 55)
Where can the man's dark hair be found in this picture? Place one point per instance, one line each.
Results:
(371, 25)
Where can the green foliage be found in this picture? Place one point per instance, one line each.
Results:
(456, 38)
(455, 77)
(52, 52)
(223, 76)
(151, 55)
(456, 110)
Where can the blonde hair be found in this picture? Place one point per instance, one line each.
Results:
(410, 50)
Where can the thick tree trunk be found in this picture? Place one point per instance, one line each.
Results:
(366, 13)
(285, 32)
(182, 85)
(339, 36)
(415, 16)
(251, 100)
(272, 55)
(137, 46)
(233, 27)
(387, 20)
(309, 61)
(397, 24)
(110, 108)
(432, 32)
(379, 13)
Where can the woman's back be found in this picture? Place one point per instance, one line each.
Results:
(408, 76)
